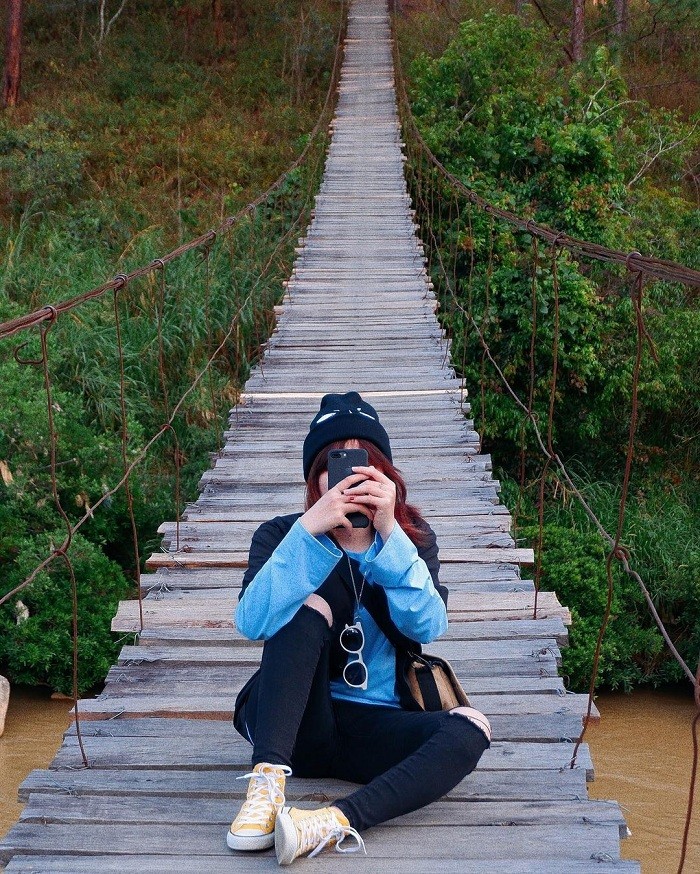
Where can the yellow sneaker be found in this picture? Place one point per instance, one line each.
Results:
(308, 831)
(254, 827)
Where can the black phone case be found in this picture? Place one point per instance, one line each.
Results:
(340, 465)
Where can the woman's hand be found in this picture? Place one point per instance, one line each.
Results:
(331, 509)
(376, 497)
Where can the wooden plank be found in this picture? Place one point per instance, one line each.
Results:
(181, 811)
(255, 863)
(389, 841)
(210, 609)
(172, 650)
(192, 558)
(510, 653)
(205, 699)
(232, 752)
(565, 784)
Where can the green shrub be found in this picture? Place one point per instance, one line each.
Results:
(36, 627)
(40, 163)
(573, 565)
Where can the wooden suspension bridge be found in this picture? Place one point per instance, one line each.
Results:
(358, 313)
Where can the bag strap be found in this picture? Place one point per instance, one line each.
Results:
(428, 688)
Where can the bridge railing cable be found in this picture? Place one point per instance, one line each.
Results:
(448, 212)
(238, 269)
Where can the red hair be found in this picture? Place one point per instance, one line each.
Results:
(408, 516)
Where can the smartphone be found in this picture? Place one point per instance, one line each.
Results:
(340, 465)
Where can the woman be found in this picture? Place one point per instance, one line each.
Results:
(339, 608)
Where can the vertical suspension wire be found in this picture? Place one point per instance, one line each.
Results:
(163, 378)
(453, 236)
(531, 368)
(444, 225)
(65, 546)
(693, 775)
(160, 315)
(254, 234)
(236, 338)
(470, 295)
(177, 459)
(486, 314)
(616, 550)
(431, 218)
(209, 341)
(125, 448)
(454, 232)
(550, 427)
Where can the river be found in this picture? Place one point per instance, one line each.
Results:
(642, 752)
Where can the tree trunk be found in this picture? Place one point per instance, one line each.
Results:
(577, 30)
(218, 16)
(12, 76)
(621, 17)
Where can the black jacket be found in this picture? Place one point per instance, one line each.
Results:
(270, 534)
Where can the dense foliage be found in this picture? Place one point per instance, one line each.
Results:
(565, 146)
(119, 152)
(129, 142)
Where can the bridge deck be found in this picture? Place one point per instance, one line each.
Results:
(358, 313)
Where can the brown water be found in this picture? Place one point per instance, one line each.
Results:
(642, 752)
(33, 732)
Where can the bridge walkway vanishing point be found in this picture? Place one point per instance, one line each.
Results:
(359, 314)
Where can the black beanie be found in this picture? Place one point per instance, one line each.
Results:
(343, 417)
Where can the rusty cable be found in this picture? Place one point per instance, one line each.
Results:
(551, 455)
(636, 297)
(160, 315)
(65, 546)
(125, 454)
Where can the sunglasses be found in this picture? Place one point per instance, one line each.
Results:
(352, 640)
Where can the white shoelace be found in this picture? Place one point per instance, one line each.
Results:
(265, 792)
(314, 834)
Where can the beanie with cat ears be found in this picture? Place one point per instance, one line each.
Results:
(343, 417)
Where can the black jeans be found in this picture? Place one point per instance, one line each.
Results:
(406, 758)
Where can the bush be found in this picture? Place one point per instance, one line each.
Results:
(573, 565)
(662, 535)
(40, 163)
(36, 627)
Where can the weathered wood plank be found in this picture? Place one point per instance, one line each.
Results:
(210, 609)
(120, 864)
(234, 753)
(565, 784)
(389, 841)
(240, 559)
(452, 575)
(515, 655)
(182, 811)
